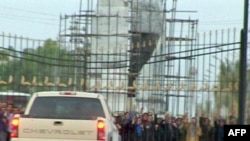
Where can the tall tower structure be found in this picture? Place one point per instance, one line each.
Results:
(128, 32)
(129, 48)
(147, 22)
(109, 43)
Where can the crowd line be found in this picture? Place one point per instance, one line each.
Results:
(150, 127)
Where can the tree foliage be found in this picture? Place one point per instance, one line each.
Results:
(229, 74)
(46, 60)
(4, 55)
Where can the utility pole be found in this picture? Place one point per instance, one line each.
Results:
(243, 67)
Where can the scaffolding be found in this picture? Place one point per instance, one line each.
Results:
(129, 53)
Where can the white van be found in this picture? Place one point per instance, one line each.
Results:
(65, 116)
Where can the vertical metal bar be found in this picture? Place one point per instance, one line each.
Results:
(235, 75)
(187, 65)
(165, 51)
(243, 66)
(203, 72)
(21, 64)
(231, 81)
(163, 47)
(35, 68)
(214, 79)
(96, 47)
(78, 42)
(172, 27)
(15, 55)
(129, 46)
(3, 36)
(215, 64)
(179, 70)
(85, 56)
(59, 46)
(9, 40)
(108, 49)
(80, 8)
(221, 81)
(117, 79)
(192, 98)
(197, 93)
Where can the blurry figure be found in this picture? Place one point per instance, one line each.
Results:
(181, 135)
(232, 120)
(211, 131)
(118, 121)
(193, 131)
(139, 130)
(132, 128)
(145, 118)
(4, 105)
(3, 128)
(9, 115)
(219, 130)
(16, 110)
(125, 126)
(149, 127)
(158, 131)
(206, 130)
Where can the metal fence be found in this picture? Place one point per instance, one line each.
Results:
(175, 69)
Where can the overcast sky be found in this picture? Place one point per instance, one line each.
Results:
(40, 19)
(215, 14)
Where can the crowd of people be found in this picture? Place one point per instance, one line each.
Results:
(146, 126)
(150, 127)
(7, 111)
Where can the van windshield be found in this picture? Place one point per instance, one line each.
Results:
(66, 108)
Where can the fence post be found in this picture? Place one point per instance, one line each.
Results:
(243, 67)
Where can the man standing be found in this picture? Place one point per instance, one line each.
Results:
(3, 127)
(193, 131)
(9, 115)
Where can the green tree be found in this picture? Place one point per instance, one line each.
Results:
(4, 55)
(228, 78)
(47, 60)
(4, 58)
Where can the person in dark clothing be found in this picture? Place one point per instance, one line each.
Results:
(164, 128)
(125, 126)
(202, 119)
(158, 131)
(206, 130)
(219, 130)
(132, 129)
(149, 128)
(175, 131)
(3, 128)
(211, 131)
(202, 125)
(168, 130)
(181, 134)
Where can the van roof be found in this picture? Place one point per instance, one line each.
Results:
(75, 93)
(14, 94)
